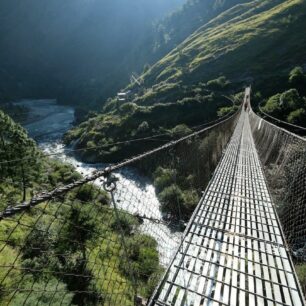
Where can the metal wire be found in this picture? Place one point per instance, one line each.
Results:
(76, 245)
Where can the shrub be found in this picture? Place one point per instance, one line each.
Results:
(125, 223)
(143, 127)
(128, 108)
(297, 79)
(297, 117)
(180, 130)
(218, 84)
(143, 259)
(301, 272)
(163, 178)
(85, 193)
(272, 106)
(290, 100)
(191, 200)
(171, 199)
(223, 111)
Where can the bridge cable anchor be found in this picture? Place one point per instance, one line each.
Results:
(110, 184)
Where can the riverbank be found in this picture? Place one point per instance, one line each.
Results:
(135, 193)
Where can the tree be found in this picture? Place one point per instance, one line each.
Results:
(172, 200)
(218, 84)
(290, 100)
(272, 106)
(297, 79)
(143, 127)
(80, 227)
(298, 117)
(16, 145)
(142, 259)
(180, 131)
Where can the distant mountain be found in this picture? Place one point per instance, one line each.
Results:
(84, 51)
(74, 49)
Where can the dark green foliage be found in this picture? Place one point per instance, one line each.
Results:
(172, 199)
(297, 79)
(164, 178)
(297, 117)
(38, 243)
(17, 112)
(291, 100)
(288, 106)
(125, 224)
(180, 130)
(16, 146)
(62, 173)
(223, 111)
(177, 202)
(80, 228)
(74, 266)
(86, 193)
(218, 84)
(142, 259)
(273, 105)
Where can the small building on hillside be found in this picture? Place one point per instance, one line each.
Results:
(124, 96)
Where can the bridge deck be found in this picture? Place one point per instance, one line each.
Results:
(233, 252)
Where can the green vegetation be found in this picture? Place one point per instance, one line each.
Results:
(301, 272)
(172, 116)
(290, 105)
(192, 83)
(58, 252)
(18, 113)
(237, 43)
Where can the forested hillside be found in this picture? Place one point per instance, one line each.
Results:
(257, 42)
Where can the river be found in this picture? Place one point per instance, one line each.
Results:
(135, 193)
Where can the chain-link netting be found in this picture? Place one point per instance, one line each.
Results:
(106, 239)
(283, 156)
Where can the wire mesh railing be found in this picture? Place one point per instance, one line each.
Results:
(283, 156)
(300, 130)
(107, 238)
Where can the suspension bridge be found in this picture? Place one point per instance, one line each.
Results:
(233, 252)
(235, 249)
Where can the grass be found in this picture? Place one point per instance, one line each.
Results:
(238, 36)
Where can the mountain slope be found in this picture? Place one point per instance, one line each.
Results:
(244, 42)
(251, 41)
(176, 27)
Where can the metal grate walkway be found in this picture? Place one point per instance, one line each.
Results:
(233, 252)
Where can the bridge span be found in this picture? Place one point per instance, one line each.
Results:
(233, 251)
